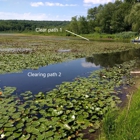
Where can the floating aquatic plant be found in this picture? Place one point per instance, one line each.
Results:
(42, 51)
(66, 110)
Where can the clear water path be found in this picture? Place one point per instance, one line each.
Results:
(46, 78)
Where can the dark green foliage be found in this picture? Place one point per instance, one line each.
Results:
(28, 25)
(134, 17)
(110, 18)
(126, 35)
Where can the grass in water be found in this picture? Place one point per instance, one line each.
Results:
(125, 124)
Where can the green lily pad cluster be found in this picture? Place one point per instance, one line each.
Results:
(66, 110)
(45, 51)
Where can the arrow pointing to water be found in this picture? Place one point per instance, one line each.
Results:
(77, 35)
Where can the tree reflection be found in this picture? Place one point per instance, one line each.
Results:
(110, 59)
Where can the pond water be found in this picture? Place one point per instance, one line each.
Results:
(110, 59)
(46, 78)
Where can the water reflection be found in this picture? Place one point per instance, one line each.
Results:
(46, 78)
(110, 59)
(89, 65)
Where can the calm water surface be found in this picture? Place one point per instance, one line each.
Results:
(46, 78)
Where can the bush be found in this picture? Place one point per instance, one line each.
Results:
(126, 35)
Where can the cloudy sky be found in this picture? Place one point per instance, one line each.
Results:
(46, 9)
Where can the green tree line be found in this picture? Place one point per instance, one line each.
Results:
(122, 15)
(109, 18)
(28, 25)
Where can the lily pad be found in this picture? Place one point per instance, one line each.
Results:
(19, 125)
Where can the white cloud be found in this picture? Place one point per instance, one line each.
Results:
(53, 4)
(36, 4)
(30, 16)
(98, 1)
(87, 5)
(26, 16)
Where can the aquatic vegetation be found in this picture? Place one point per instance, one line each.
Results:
(66, 110)
(69, 108)
(45, 50)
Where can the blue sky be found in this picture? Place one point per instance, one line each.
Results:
(46, 9)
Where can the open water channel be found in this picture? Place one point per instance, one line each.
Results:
(46, 78)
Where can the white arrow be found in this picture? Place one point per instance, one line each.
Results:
(77, 35)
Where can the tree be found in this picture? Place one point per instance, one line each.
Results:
(93, 17)
(74, 25)
(134, 17)
(104, 17)
(83, 25)
(91, 26)
(118, 23)
(132, 1)
(97, 29)
(92, 13)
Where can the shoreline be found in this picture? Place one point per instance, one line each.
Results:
(124, 111)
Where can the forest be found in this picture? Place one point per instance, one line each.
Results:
(109, 18)
(28, 25)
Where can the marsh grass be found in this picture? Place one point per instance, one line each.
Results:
(118, 36)
(123, 124)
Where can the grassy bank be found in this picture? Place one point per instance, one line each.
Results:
(118, 36)
(96, 36)
(123, 124)
(93, 36)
